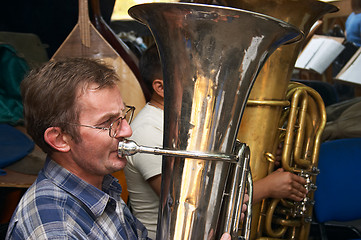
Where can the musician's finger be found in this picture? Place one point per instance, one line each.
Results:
(246, 198)
(299, 193)
(242, 216)
(226, 236)
(299, 179)
(299, 188)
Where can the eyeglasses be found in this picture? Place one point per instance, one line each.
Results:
(115, 126)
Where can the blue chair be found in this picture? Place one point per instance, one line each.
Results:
(338, 194)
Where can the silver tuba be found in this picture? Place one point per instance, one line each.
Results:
(210, 57)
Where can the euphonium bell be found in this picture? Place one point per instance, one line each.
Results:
(210, 57)
(260, 123)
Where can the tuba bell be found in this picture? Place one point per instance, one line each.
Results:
(210, 57)
(266, 117)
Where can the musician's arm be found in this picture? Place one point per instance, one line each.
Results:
(155, 183)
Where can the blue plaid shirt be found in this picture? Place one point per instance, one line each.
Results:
(59, 205)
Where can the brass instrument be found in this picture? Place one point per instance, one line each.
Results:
(260, 123)
(300, 130)
(210, 57)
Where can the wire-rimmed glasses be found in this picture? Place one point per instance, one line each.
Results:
(115, 126)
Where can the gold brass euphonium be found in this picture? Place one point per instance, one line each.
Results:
(260, 123)
(210, 57)
(301, 127)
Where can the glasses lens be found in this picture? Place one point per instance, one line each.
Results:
(129, 114)
(114, 128)
(117, 125)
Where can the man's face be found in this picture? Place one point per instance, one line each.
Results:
(96, 154)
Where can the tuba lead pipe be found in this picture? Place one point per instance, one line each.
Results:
(210, 57)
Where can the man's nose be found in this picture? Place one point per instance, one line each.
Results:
(125, 130)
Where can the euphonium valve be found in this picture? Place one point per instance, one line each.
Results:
(210, 57)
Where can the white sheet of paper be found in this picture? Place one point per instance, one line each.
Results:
(353, 73)
(319, 54)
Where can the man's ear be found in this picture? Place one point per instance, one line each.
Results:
(158, 87)
(57, 139)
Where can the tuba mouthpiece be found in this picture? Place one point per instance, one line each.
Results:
(127, 148)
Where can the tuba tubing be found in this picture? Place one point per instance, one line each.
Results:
(210, 57)
(241, 177)
(129, 147)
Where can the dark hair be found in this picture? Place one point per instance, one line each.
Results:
(356, 5)
(49, 95)
(150, 66)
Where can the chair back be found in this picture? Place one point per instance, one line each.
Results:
(338, 194)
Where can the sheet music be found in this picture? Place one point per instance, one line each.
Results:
(319, 54)
(308, 53)
(353, 73)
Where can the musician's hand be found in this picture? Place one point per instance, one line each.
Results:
(286, 185)
(244, 206)
(280, 184)
(226, 236)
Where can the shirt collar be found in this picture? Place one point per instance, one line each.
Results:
(95, 199)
